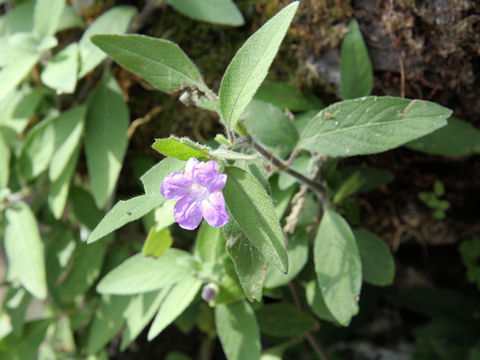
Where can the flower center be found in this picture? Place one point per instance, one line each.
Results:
(199, 192)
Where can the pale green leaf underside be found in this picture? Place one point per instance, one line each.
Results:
(161, 62)
(114, 21)
(249, 67)
(4, 162)
(124, 212)
(46, 17)
(238, 331)
(153, 178)
(140, 274)
(24, 249)
(370, 124)
(61, 72)
(253, 210)
(223, 12)
(174, 303)
(355, 66)
(338, 266)
(12, 74)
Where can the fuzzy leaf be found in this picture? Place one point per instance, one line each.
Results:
(182, 149)
(223, 12)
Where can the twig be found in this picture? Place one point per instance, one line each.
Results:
(318, 187)
(309, 336)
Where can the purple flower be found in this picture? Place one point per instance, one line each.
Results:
(198, 193)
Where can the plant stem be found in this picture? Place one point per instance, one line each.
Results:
(309, 336)
(318, 187)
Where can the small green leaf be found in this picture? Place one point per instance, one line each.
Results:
(356, 74)
(230, 289)
(61, 72)
(106, 140)
(139, 313)
(57, 198)
(269, 125)
(249, 263)
(180, 148)
(458, 138)
(140, 274)
(249, 67)
(470, 253)
(438, 188)
(25, 347)
(70, 19)
(302, 164)
(317, 303)
(24, 249)
(253, 210)
(238, 331)
(108, 320)
(378, 266)
(68, 128)
(4, 162)
(223, 12)
(114, 21)
(369, 178)
(338, 266)
(174, 303)
(349, 187)
(161, 62)
(283, 320)
(46, 17)
(19, 19)
(12, 74)
(124, 212)
(153, 178)
(297, 249)
(157, 242)
(286, 96)
(369, 125)
(15, 305)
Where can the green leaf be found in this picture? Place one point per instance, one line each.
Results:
(84, 209)
(223, 12)
(38, 149)
(378, 266)
(249, 263)
(338, 266)
(24, 249)
(12, 74)
(85, 267)
(153, 178)
(114, 21)
(68, 129)
(124, 212)
(249, 67)
(70, 19)
(157, 242)
(283, 320)
(161, 62)
(180, 148)
(270, 126)
(297, 249)
(19, 19)
(4, 162)
(302, 164)
(61, 72)
(370, 125)
(369, 178)
(317, 303)
(281, 198)
(470, 253)
(163, 215)
(46, 17)
(57, 198)
(174, 303)
(26, 346)
(105, 137)
(176, 356)
(230, 289)
(15, 305)
(108, 320)
(139, 314)
(286, 96)
(458, 138)
(356, 73)
(140, 274)
(253, 210)
(210, 244)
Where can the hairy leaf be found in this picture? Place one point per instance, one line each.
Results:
(223, 12)
(182, 149)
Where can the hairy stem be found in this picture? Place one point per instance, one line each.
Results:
(281, 165)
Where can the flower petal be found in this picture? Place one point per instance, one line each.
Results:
(188, 213)
(213, 209)
(207, 175)
(175, 186)
(190, 168)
